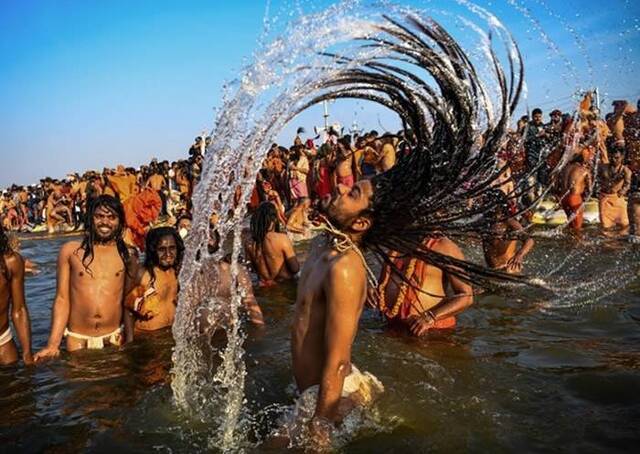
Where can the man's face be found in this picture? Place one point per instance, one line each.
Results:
(537, 119)
(616, 158)
(345, 205)
(556, 118)
(167, 252)
(106, 223)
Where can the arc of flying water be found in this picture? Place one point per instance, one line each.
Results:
(281, 83)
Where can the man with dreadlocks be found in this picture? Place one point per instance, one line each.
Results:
(12, 295)
(153, 301)
(271, 252)
(88, 307)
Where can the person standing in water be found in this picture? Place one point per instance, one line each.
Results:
(419, 302)
(88, 307)
(500, 242)
(615, 181)
(574, 190)
(12, 302)
(154, 299)
(270, 252)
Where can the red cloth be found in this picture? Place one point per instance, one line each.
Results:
(140, 211)
(347, 181)
(572, 203)
(323, 184)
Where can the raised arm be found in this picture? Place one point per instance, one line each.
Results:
(345, 293)
(61, 305)
(19, 312)
(515, 263)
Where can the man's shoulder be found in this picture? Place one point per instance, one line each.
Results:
(445, 246)
(13, 259)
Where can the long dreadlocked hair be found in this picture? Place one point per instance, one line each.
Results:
(151, 259)
(261, 221)
(443, 186)
(112, 204)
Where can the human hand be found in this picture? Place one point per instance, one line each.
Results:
(514, 264)
(47, 353)
(27, 358)
(419, 326)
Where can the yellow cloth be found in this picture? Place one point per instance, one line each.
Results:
(97, 342)
(6, 337)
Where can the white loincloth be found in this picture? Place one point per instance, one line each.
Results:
(362, 388)
(6, 337)
(97, 342)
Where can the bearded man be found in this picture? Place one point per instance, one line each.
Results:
(88, 307)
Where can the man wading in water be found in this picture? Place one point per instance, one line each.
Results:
(12, 295)
(425, 195)
(88, 307)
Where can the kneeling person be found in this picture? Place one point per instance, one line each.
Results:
(88, 307)
(153, 301)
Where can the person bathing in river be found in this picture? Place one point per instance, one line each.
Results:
(153, 301)
(12, 302)
(506, 243)
(417, 300)
(91, 275)
(574, 188)
(615, 181)
(270, 252)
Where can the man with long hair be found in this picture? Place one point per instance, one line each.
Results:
(153, 301)
(12, 296)
(428, 194)
(91, 275)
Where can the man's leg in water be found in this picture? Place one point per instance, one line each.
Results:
(8, 353)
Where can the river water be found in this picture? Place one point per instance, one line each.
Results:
(517, 374)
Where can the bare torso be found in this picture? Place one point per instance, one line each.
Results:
(308, 328)
(269, 259)
(96, 293)
(575, 179)
(497, 249)
(161, 308)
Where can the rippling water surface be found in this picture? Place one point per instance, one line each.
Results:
(517, 374)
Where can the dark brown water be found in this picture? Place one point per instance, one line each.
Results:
(512, 377)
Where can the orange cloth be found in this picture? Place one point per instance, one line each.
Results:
(415, 272)
(572, 204)
(124, 184)
(140, 211)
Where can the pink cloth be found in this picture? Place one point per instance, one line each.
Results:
(298, 189)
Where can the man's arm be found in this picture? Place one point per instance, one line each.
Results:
(248, 298)
(19, 312)
(345, 292)
(61, 305)
(132, 279)
(462, 296)
(627, 183)
(290, 258)
(515, 263)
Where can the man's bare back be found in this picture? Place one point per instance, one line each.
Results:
(576, 180)
(273, 260)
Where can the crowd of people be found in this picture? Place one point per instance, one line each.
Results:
(106, 294)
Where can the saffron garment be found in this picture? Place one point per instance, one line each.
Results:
(415, 272)
(572, 204)
(139, 212)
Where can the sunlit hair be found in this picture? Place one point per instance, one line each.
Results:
(90, 237)
(441, 188)
(151, 258)
(262, 219)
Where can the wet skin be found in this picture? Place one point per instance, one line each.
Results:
(12, 302)
(89, 297)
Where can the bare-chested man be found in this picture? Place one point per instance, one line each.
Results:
(344, 164)
(506, 244)
(270, 252)
(331, 294)
(574, 189)
(12, 295)
(421, 303)
(615, 181)
(154, 299)
(88, 307)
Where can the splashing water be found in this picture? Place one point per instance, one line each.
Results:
(298, 68)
